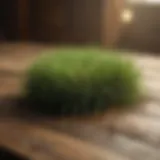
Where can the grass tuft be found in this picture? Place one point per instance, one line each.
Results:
(79, 81)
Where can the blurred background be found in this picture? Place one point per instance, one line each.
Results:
(28, 27)
(127, 24)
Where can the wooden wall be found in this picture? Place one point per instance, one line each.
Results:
(111, 23)
(87, 21)
(143, 33)
(9, 19)
(49, 19)
(14, 19)
(65, 20)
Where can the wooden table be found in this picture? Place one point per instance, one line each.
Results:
(129, 136)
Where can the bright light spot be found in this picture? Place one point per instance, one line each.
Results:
(144, 1)
(127, 16)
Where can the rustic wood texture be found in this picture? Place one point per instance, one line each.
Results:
(133, 135)
(111, 22)
(143, 32)
(23, 19)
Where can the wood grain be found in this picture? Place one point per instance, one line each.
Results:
(133, 135)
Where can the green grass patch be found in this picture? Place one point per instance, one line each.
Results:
(80, 81)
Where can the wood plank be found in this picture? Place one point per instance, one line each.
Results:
(43, 144)
(111, 21)
(134, 135)
(23, 19)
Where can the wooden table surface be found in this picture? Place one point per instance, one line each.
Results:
(134, 135)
